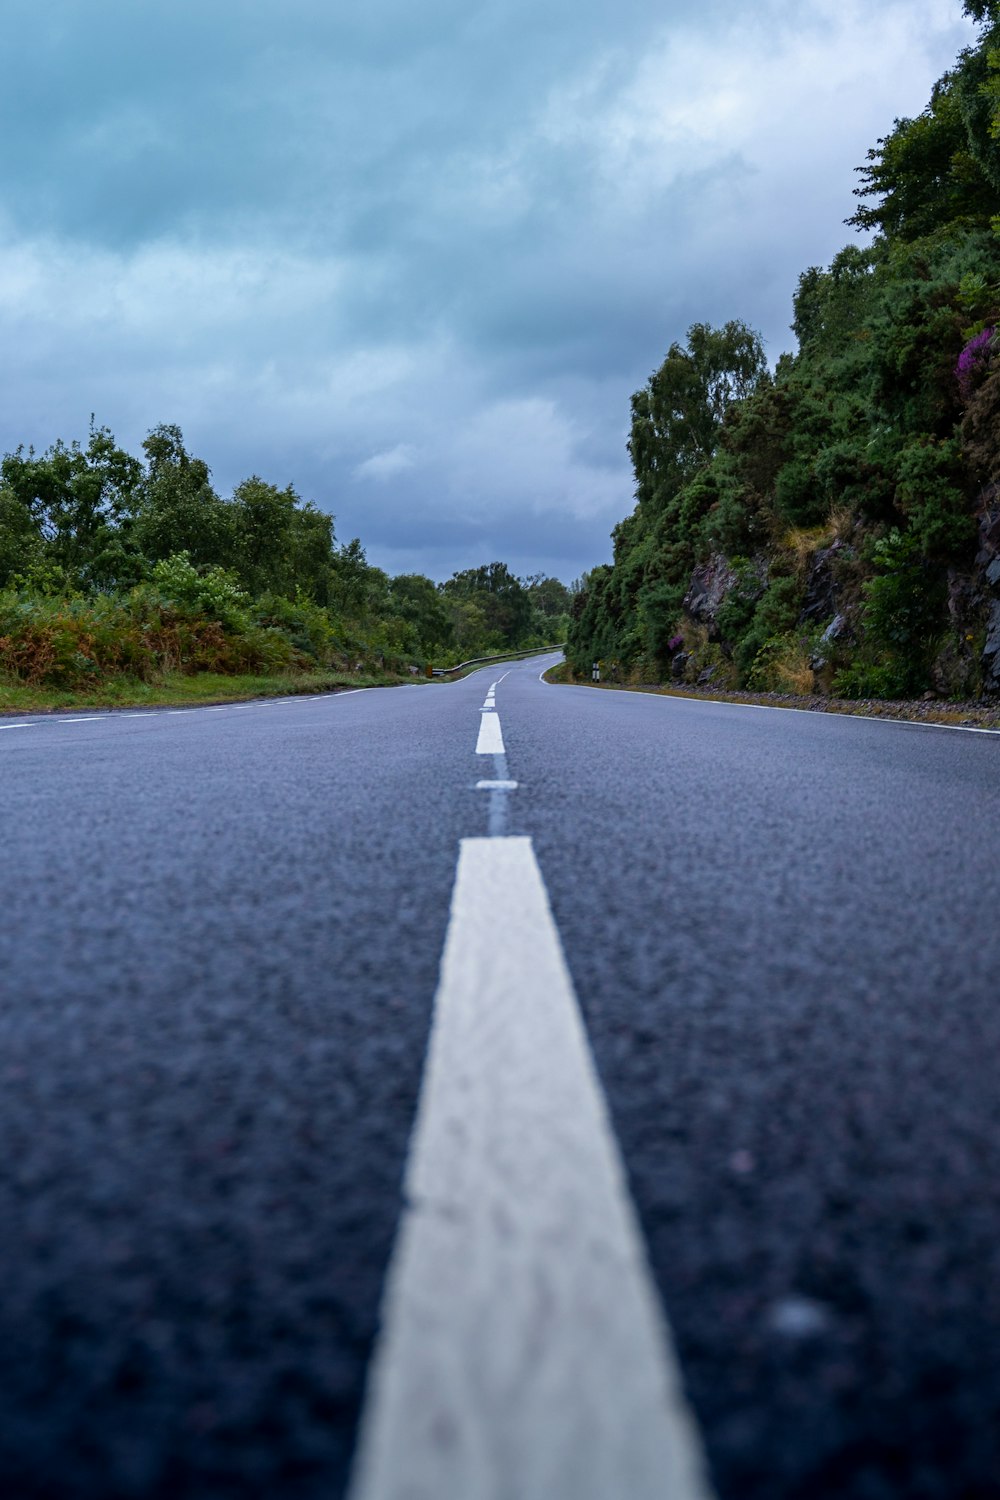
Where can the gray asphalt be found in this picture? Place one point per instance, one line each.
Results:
(220, 941)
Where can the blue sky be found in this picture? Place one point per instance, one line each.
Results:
(414, 258)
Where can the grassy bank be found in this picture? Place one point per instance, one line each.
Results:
(177, 689)
(975, 714)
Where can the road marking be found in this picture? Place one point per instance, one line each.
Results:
(496, 786)
(523, 1351)
(490, 741)
(17, 726)
(84, 719)
(777, 708)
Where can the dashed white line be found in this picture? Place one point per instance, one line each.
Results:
(496, 786)
(523, 1351)
(17, 726)
(490, 741)
(84, 719)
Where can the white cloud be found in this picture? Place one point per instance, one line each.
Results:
(388, 464)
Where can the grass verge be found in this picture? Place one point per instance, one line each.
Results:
(176, 689)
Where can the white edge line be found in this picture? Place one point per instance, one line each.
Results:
(155, 713)
(777, 708)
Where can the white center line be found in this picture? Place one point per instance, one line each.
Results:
(84, 719)
(16, 726)
(490, 741)
(523, 1353)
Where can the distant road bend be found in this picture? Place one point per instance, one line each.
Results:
(498, 1092)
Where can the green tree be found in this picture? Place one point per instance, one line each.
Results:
(415, 599)
(677, 417)
(81, 501)
(179, 511)
(264, 535)
(312, 551)
(21, 542)
(502, 598)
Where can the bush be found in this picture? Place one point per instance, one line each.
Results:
(209, 591)
(784, 665)
(308, 626)
(774, 616)
(901, 622)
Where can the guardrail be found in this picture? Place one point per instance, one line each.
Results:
(484, 661)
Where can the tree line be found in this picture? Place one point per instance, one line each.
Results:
(834, 525)
(102, 552)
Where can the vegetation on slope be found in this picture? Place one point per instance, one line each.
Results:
(834, 526)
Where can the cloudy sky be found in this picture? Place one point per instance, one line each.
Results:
(413, 256)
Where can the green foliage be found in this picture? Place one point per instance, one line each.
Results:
(208, 591)
(902, 621)
(77, 501)
(774, 615)
(113, 567)
(941, 169)
(502, 599)
(677, 418)
(740, 604)
(420, 606)
(931, 493)
(883, 428)
(178, 510)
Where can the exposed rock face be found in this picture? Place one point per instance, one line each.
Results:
(839, 629)
(988, 561)
(960, 676)
(989, 527)
(821, 596)
(710, 583)
(991, 649)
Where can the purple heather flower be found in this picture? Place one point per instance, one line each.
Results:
(674, 642)
(972, 359)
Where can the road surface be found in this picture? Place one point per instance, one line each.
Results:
(727, 1150)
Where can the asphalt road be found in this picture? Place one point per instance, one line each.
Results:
(221, 939)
